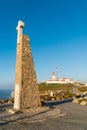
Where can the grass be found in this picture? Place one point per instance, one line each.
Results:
(57, 90)
(64, 87)
(82, 89)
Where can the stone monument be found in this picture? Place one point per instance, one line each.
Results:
(26, 87)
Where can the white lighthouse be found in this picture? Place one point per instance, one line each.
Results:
(56, 80)
(53, 76)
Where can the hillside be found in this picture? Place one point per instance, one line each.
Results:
(51, 87)
(60, 91)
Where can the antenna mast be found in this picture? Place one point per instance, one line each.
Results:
(56, 72)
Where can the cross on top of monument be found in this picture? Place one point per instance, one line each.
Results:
(20, 24)
(19, 29)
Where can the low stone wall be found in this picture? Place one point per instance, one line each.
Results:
(82, 101)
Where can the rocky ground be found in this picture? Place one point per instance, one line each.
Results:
(82, 100)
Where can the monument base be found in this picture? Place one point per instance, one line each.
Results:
(14, 111)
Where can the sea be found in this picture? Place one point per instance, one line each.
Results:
(5, 94)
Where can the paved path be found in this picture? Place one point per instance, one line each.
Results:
(72, 117)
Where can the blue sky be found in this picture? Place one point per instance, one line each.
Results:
(58, 34)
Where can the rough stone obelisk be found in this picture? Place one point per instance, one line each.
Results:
(26, 87)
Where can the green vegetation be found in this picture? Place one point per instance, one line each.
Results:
(51, 87)
(57, 90)
(82, 89)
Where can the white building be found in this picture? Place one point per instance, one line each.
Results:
(86, 84)
(55, 80)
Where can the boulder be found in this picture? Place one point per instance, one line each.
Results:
(9, 101)
(85, 97)
(76, 101)
(81, 98)
(83, 103)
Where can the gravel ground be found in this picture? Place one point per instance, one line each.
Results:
(12, 121)
(65, 116)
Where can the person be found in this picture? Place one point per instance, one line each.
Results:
(62, 95)
(51, 93)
